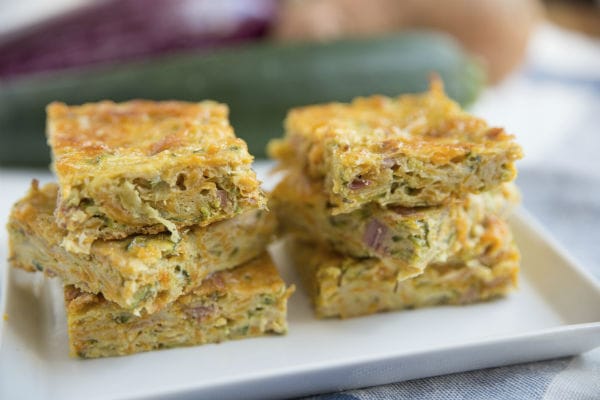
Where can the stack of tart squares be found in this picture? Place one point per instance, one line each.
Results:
(396, 203)
(157, 226)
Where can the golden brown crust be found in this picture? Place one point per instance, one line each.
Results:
(138, 126)
(414, 150)
(145, 167)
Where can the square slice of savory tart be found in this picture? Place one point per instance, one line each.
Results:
(146, 167)
(412, 151)
(406, 238)
(247, 301)
(141, 273)
(343, 286)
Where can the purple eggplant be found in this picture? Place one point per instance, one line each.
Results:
(119, 30)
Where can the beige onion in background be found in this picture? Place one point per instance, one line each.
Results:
(495, 30)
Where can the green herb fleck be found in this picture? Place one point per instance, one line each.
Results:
(97, 159)
(182, 271)
(364, 212)
(267, 299)
(205, 213)
(122, 318)
(336, 221)
(142, 294)
(137, 241)
(475, 159)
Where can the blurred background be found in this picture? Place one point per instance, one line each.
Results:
(265, 56)
(530, 66)
(38, 35)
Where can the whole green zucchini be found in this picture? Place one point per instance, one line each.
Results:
(259, 82)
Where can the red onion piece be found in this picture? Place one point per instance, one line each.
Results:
(222, 195)
(359, 183)
(388, 162)
(200, 312)
(374, 234)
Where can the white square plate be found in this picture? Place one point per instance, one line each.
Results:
(555, 313)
